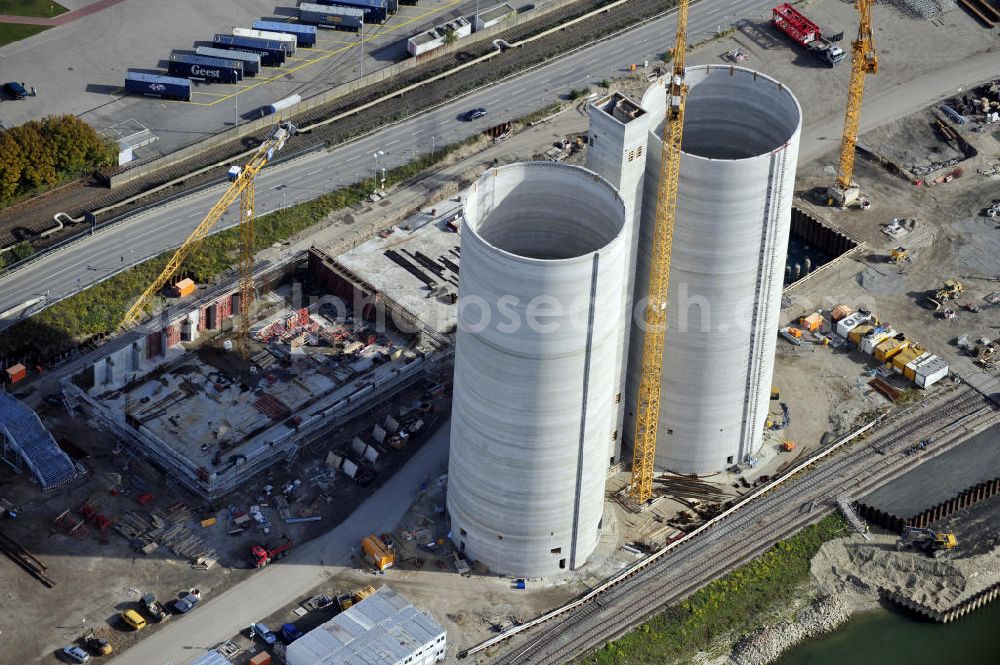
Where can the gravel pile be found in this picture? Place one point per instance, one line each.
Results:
(923, 8)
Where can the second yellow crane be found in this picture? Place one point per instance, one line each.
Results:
(648, 402)
(864, 61)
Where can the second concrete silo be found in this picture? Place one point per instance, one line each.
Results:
(543, 263)
(741, 137)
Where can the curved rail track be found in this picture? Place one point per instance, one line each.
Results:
(742, 532)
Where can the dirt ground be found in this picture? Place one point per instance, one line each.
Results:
(826, 389)
(99, 574)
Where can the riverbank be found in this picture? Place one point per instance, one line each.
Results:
(850, 576)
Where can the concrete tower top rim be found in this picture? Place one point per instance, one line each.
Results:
(612, 199)
(786, 110)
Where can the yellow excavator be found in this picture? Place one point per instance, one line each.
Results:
(934, 543)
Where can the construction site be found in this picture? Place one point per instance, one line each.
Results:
(629, 354)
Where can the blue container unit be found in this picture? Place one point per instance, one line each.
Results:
(216, 70)
(250, 61)
(272, 54)
(343, 18)
(376, 11)
(157, 85)
(305, 35)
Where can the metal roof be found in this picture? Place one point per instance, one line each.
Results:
(211, 658)
(383, 628)
(23, 432)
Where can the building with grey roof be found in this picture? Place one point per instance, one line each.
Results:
(382, 629)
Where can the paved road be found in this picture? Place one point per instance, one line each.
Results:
(151, 232)
(187, 637)
(62, 274)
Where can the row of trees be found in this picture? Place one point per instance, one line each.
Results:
(40, 154)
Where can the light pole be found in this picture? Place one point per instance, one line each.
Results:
(361, 44)
(376, 155)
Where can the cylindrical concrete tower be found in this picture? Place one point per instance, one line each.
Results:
(543, 263)
(741, 139)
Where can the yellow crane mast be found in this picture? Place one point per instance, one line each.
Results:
(648, 402)
(864, 61)
(242, 187)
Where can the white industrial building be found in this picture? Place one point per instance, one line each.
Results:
(544, 258)
(382, 629)
(741, 137)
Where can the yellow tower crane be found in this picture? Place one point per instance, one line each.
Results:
(242, 187)
(648, 403)
(864, 61)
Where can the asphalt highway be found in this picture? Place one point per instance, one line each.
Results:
(149, 233)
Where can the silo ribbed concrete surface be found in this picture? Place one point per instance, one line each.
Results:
(741, 139)
(543, 262)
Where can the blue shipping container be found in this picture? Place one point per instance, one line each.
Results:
(376, 11)
(305, 35)
(272, 54)
(345, 18)
(157, 85)
(250, 61)
(222, 70)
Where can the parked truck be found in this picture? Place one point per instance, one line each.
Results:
(272, 54)
(221, 70)
(342, 18)
(304, 34)
(376, 11)
(157, 85)
(806, 34)
(261, 555)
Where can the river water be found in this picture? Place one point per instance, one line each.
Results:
(891, 638)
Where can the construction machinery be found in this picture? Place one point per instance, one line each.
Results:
(807, 34)
(899, 255)
(242, 187)
(864, 61)
(952, 290)
(934, 543)
(98, 646)
(260, 556)
(648, 401)
(778, 422)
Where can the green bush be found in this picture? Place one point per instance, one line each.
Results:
(731, 604)
(41, 154)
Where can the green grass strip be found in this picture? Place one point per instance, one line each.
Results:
(34, 8)
(15, 32)
(732, 605)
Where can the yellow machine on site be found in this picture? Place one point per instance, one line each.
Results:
(934, 543)
(899, 255)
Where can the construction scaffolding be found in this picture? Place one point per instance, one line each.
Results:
(27, 444)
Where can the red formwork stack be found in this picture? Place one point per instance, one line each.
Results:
(154, 344)
(173, 335)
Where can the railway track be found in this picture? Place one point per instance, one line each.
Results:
(635, 595)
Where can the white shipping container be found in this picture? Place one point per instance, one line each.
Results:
(358, 446)
(849, 323)
(371, 454)
(391, 425)
(350, 468)
(869, 342)
(378, 434)
(288, 41)
(931, 371)
(282, 104)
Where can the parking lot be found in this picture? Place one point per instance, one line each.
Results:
(78, 68)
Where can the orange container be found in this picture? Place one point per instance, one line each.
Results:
(263, 658)
(15, 373)
(811, 322)
(185, 287)
(840, 311)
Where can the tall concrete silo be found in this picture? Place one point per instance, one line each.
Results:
(741, 140)
(543, 262)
